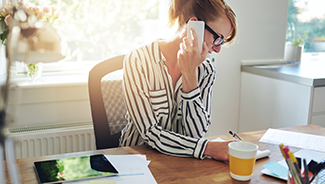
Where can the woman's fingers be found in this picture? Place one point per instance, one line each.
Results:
(181, 47)
(186, 42)
(194, 38)
(205, 50)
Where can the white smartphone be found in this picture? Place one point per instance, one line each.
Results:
(198, 26)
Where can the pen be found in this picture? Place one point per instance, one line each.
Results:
(282, 151)
(306, 172)
(234, 135)
(295, 163)
(293, 169)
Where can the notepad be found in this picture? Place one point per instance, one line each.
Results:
(277, 169)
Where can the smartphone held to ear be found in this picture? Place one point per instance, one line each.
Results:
(198, 26)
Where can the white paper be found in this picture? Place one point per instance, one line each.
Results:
(128, 164)
(295, 139)
(132, 169)
(218, 139)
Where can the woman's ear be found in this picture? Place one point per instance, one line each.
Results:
(191, 19)
(194, 19)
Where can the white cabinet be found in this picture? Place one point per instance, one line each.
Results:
(273, 103)
(319, 100)
(318, 107)
(318, 120)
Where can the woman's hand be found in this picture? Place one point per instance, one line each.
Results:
(189, 58)
(218, 150)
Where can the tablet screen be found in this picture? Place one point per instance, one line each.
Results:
(76, 168)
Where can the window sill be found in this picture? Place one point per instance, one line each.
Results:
(54, 74)
(52, 80)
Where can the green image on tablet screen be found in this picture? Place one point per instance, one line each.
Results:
(67, 169)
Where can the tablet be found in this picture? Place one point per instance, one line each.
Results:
(72, 169)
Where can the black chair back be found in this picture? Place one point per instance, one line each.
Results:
(106, 101)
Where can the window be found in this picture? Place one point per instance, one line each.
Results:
(307, 17)
(100, 29)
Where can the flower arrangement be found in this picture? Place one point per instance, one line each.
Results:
(34, 70)
(47, 14)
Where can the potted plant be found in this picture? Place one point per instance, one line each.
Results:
(293, 51)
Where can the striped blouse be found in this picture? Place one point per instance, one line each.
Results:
(164, 118)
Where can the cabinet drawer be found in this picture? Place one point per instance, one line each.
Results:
(318, 120)
(319, 100)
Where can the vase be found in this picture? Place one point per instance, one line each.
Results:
(34, 71)
(292, 53)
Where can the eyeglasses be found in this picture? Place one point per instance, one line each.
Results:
(218, 39)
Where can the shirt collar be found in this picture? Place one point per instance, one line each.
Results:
(159, 57)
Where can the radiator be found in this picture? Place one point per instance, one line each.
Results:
(45, 140)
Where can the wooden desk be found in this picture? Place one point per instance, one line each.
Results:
(172, 170)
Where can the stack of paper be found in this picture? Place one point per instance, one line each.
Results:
(131, 168)
(295, 139)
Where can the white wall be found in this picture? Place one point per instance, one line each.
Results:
(261, 36)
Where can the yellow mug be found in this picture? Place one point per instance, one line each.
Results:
(242, 157)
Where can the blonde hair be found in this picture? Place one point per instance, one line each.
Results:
(207, 10)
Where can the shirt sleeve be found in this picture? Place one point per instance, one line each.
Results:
(196, 104)
(140, 110)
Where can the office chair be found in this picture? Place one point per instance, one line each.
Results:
(106, 101)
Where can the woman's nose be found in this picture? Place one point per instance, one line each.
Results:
(216, 49)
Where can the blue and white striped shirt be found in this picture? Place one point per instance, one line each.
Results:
(166, 119)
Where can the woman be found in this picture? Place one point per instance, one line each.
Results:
(168, 84)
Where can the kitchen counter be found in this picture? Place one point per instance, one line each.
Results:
(311, 73)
